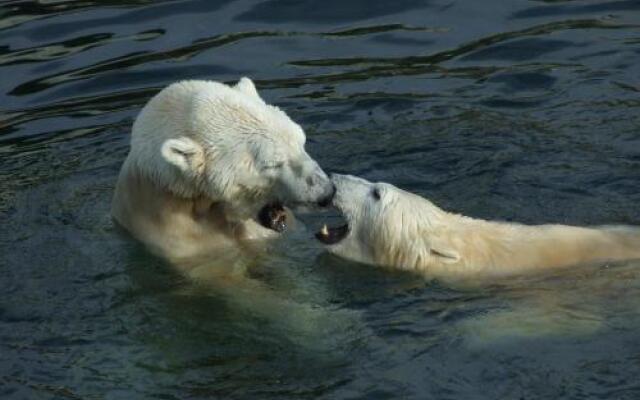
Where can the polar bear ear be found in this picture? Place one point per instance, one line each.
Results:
(184, 153)
(445, 255)
(246, 86)
(444, 252)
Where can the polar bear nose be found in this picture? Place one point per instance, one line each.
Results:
(321, 183)
(326, 201)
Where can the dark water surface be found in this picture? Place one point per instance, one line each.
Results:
(517, 110)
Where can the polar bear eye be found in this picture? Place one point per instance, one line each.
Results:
(376, 193)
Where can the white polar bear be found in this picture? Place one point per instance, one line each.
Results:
(208, 166)
(390, 227)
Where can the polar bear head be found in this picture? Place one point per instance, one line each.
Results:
(203, 138)
(386, 226)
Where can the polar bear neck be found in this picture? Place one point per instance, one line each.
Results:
(443, 244)
(502, 249)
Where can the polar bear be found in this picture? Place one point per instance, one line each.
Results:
(390, 227)
(209, 170)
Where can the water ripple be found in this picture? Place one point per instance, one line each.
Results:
(132, 60)
(522, 111)
(472, 46)
(53, 51)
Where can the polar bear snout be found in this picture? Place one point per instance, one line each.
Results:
(326, 201)
(319, 182)
(349, 187)
(330, 190)
(305, 184)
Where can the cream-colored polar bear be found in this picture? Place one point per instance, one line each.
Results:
(390, 227)
(209, 169)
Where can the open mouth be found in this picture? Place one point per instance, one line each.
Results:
(273, 216)
(332, 235)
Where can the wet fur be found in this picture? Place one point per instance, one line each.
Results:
(205, 157)
(406, 231)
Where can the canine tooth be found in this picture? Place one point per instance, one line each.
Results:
(325, 230)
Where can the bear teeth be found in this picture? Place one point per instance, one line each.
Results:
(325, 230)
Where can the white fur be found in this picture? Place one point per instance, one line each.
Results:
(405, 231)
(204, 158)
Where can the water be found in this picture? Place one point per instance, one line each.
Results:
(518, 110)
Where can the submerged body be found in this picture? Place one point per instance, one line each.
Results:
(390, 227)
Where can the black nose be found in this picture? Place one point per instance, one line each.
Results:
(326, 201)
